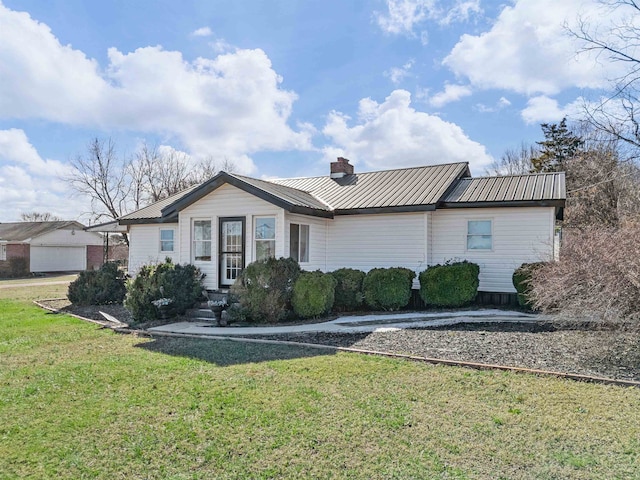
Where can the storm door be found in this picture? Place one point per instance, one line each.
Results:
(231, 248)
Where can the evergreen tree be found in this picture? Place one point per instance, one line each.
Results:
(559, 145)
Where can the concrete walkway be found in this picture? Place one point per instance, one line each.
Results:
(356, 323)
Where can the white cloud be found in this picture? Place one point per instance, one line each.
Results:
(402, 16)
(228, 106)
(503, 102)
(392, 134)
(451, 93)
(528, 50)
(30, 183)
(202, 32)
(545, 109)
(397, 74)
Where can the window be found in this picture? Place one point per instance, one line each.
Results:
(479, 236)
(166, 240)
(265, 237)
(299, 242)
(202, 240)
(3, 251)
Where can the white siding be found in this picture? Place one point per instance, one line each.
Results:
(317, 240)
(226, 201)
(69, 237)
(523, 234)
(383, 240)
(144, 245)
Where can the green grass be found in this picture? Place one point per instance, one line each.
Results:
(47, 279)
(80, 402)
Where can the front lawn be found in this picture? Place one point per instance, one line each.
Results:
(80, 402)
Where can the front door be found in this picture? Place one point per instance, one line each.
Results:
(231, 248)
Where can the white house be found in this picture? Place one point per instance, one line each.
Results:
(413, 217)
(55, 246)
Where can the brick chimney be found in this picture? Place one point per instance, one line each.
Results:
(341, 168)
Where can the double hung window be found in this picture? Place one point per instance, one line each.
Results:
(299, 242)
(479, 235)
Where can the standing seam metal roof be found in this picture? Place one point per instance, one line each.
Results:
(390, 188)
(512, 188)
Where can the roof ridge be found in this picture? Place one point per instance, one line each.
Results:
(513, 175)
(374, 171)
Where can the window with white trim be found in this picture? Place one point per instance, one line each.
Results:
(299, 242)
(3, 251)
(201, 240)
(167, 244)
(265, 237)
(479, 235)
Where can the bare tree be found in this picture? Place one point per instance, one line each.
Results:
(515, 161)
(104, 178)
(117, 185)
(39, 217)
(619, 113)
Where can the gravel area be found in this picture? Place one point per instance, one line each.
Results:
(580, 349)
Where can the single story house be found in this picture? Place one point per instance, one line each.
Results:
(58, 246)
(410, 217)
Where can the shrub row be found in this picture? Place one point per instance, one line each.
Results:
(15, 267)
(273, 289)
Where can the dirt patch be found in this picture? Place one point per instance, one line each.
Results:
(559, 347)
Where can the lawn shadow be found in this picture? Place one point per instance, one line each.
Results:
(228, 352)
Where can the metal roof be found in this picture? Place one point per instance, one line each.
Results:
(154, 211)
(392, 189)
(24, 231)
(540, 187)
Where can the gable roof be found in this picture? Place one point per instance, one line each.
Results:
(25, 231)
(406, 189)
(543, 189)
(400, 190)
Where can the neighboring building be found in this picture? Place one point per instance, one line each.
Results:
(58, 246)
(413, 217)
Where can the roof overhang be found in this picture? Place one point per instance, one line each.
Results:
(375, 210)
(515, 203)
(107, 227)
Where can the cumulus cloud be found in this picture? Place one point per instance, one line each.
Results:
(503, 102)
(545, 109)
(30, 183)
(402, 16)
(228, 106)
(392, 134)
(528, 50)
(397, 74)
(451, 93)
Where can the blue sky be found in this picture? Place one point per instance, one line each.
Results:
(281, 87)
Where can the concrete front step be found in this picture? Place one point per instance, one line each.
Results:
(200, 313)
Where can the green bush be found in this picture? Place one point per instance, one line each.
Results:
(264, 289)
(15, 267)
(521, 278)
(98, 287)
(313, 294)
(180, 283)
(388, 288)
(450, 285)
(348, 291)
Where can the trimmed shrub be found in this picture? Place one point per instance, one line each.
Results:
(181, 283)
(450, 285)
(264, 289)
(348, 291)
(98, 287)
(313, 294)
(521, 281)
(388, 288)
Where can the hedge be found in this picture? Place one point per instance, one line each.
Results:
(449, 285)
(388, 288)
(348, 291)
(313, 294)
